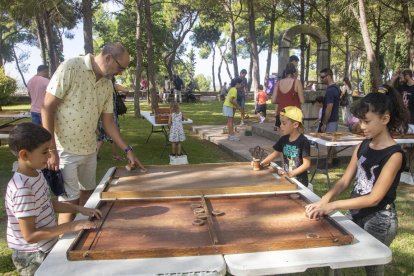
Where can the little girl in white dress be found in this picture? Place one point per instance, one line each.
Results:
(176, 129)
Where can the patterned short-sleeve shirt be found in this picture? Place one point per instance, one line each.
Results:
(83, 99)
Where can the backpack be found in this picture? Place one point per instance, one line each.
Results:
(120, 106)
(344, 100)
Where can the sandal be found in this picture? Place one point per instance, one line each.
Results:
(117, 158)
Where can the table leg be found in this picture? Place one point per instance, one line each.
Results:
(167, 142)
(152, 130)
(317, 162)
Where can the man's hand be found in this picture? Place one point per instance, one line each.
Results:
(53, 161)
(134, 161)
(323, 128)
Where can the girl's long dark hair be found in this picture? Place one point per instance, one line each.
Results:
(388, 101)
(347, 82)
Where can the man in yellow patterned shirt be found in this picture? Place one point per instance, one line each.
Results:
(80, 92)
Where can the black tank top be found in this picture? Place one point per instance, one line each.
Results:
(369, 166)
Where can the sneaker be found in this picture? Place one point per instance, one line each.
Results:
(233, 138)
(262, 119)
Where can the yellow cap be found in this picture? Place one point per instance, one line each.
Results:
(292, 112)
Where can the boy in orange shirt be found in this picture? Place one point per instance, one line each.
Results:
(261, 105)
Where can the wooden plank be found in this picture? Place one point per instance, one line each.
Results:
(192, 192)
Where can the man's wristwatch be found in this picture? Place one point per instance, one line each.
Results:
(128, 148)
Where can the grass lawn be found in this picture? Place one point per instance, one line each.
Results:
(136, 130)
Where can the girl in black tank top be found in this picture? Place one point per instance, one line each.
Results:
(376, 164)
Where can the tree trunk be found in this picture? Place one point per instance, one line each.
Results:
(1, 46)
(302, 42)
(347, 57)
(328, 28)
(378, 35)
(41, 38)
(16, 59)
(250, 73)
(139, 50)
(233, 48)
(409, 27)
(219, 72)
(150, 55)
(212, 68)
(49, 43)
(374, 69)
(223, 56)
(253, 46)
(271, 41)
(87, 26)
(308, 52)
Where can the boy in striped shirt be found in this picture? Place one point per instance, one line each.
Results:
(31, 227)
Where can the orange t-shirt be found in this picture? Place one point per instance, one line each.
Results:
(261, 97)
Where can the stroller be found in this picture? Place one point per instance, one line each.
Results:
(189, 95)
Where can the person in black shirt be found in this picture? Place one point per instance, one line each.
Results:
(376, 164)
(407, 92)
(294, 146)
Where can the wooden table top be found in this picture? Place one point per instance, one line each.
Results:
(163, 227)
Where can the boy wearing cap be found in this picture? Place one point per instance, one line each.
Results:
(293, 145)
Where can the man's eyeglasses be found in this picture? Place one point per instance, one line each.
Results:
(120, 67)
(322, 77)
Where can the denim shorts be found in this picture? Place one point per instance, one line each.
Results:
(228, 111)
(241, 101)
(331, 127)
(383, 225)
(36, 118)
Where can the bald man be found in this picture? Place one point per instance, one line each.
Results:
(79, 92)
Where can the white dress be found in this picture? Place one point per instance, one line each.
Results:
(176, 131)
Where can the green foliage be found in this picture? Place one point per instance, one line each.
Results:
(401, 51)
(202, 82)
(8, 86)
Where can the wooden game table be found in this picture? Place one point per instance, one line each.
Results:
(8, 117)
(343, 141)
(158, 236)
(162, 128)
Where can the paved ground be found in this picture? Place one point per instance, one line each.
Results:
(263, 136)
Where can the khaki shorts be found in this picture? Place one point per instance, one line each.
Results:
(79, 174)
(27, 263)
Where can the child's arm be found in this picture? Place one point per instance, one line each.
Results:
(313, 209)
(234, 102)
(184, 118)
(31, 234)
(65, 207)
(270, 158)
(170, 119)
(381, 187)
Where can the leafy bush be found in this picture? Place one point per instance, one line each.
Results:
(8, 86)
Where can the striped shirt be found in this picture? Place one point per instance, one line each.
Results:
(28, 197)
